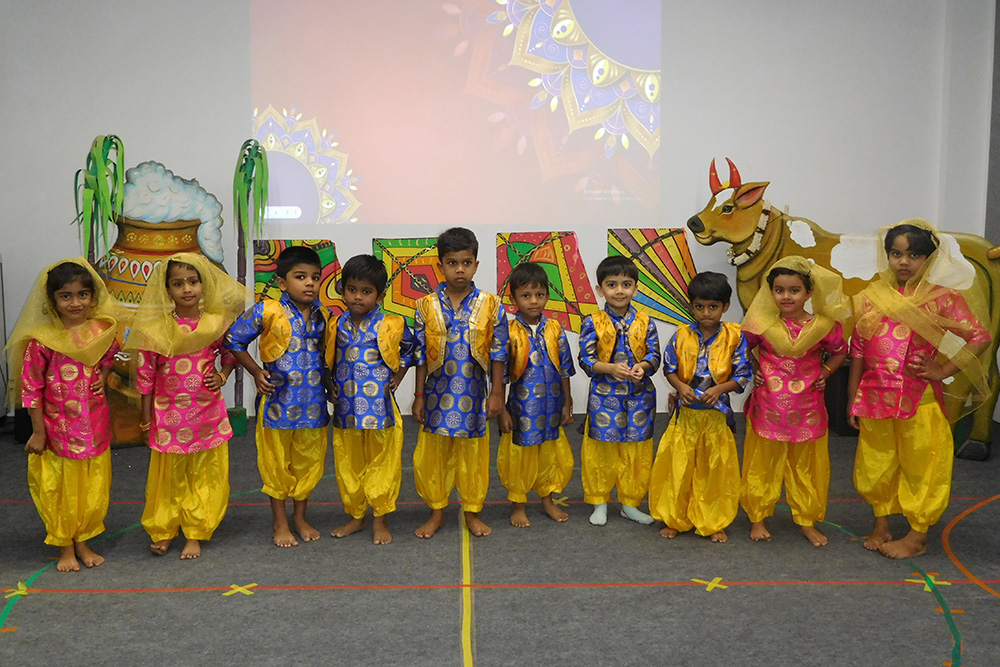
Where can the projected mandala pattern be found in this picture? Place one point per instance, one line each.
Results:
(571, 298)
(411, 265)
(665, 270)
(612, 89)
(265, 263)
(309, 181)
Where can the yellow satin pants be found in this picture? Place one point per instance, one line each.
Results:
(605, 465)
(71, 495)
(696, 476)
(290, 461)
(804, 467)
(903, 466)
(188, 492)
(441, 462)
(369, 466)
(544, 468)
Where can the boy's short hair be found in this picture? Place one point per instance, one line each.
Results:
(616, 265)
(365, 268)
(296, 254)
(528, 273)
(785, 271)
(64, 274)
(710, 286)
(457, 239)
(922, 241)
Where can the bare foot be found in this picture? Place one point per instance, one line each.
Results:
(759, 532)
(283, 536)
(192, 549)
(305, 531)
(817, 538)
(380, 531)
(517, 516)
(668, 532)
(880, 534)
(476, 525)
(67, 560)
(914, 544)
(352, 526)
(719, 537)
(85, 554)
(431, 526)
(550, 508)
(160, 548)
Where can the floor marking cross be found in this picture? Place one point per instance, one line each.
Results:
(711, 585)
(240, 589)
(927, 584)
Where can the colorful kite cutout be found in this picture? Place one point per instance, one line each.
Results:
(412, 268)
(571, 295)
(265, 262)
(665, 270)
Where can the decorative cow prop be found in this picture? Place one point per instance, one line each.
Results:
(760, 234)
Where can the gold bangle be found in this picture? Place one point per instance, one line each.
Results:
(827, 368)
(145, 426)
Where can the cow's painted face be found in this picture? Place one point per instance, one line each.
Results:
(731, 215)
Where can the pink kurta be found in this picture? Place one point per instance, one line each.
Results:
(887, 390)
(77, 422)
(785, 408)
(187, 416)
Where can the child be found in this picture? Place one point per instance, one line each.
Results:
(786, 436)
(462, 337)
(913, 331)
(534, 452)
(63, 348)
(291, 416)
(178, 330)
(696, 475)
(619, 350)
(368, 352)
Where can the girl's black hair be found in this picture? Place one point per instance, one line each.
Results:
(922, 241)
(66, 273)
(785, 271)
(367, 268)
(528, 273)
(173, 264)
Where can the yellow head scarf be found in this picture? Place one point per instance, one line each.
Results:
(40, 320)
(154, 327)
(945, 271)
(829, 305)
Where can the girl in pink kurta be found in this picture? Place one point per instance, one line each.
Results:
(178, 331)
(786, 438)
(914, 330)
(63, 349)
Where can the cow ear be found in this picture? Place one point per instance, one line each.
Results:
(749, 194)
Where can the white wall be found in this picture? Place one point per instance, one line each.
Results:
(859, 113)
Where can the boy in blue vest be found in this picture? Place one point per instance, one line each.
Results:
(534, 452)
(619, 350)
(461, 336)
(291, 416)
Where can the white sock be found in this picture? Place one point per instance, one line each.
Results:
(599, 517)
(636, 515)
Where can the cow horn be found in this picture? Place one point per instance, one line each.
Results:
(713, 179)
(734, 175)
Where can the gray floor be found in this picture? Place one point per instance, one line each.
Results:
(551, 594)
